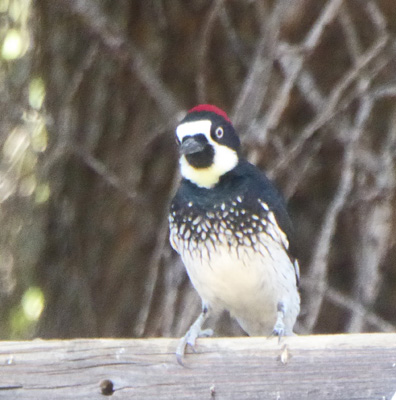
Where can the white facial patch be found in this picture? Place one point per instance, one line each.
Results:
(225, 158)
(193, 128)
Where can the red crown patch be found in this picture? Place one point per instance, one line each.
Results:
(210, 108)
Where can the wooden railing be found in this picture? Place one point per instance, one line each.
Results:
(356, 366)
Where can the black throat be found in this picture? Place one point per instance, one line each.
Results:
(202, 159)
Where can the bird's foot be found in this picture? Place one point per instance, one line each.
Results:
(189, 339)
(192, 335)
(279, 330)
(279, 327)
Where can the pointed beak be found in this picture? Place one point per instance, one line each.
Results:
(191, 146)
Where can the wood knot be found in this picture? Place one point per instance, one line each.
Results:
(106, 387)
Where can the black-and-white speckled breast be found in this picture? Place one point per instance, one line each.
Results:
(225, 222)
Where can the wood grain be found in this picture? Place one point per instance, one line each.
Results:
(357, 366)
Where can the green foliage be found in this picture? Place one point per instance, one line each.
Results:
(23, 138)
(24, 316)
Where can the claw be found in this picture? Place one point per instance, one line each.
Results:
(206, 333)
(191, 336)
(180, 350)
(278, 331)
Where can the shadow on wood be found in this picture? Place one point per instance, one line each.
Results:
(358, 366)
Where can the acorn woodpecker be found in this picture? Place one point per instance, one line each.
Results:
(231, 228)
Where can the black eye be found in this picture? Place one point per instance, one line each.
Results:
(219, 132)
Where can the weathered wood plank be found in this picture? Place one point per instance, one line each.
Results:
(361, 366)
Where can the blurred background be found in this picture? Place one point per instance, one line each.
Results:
(90, 94)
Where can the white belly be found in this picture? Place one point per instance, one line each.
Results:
(247, 282)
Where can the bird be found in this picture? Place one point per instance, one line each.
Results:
(231, 228)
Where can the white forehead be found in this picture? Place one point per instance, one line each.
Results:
(194, 127)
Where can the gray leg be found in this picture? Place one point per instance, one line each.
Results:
(193, 333)
(279, 327)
